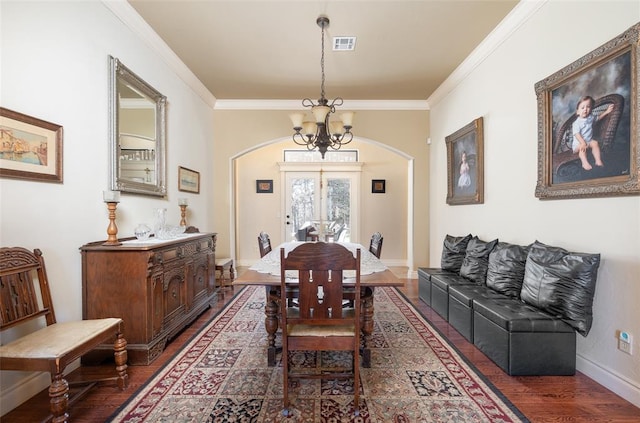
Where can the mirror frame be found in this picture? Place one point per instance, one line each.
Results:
(118, 71)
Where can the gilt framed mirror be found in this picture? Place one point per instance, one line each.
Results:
(137, 114)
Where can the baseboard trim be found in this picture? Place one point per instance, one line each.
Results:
(620, 385)
(28, 387)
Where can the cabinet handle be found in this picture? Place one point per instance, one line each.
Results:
(174, 294)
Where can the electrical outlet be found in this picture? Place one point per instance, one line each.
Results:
(624, 342)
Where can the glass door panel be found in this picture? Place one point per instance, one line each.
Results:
(322, 200)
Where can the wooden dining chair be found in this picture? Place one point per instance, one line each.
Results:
(375, 246)
(25, 297)
(319, 322)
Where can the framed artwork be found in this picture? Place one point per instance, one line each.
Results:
(264, 186)
(588, 124)
(465, 164)
(188, 180)
(378, 186)
(30, 148)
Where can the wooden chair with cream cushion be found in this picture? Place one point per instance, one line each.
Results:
(319, 322)
(25, 297)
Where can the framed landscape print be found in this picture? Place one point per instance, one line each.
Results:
(588, 124)
(188, 180)
(465, 164)
(30, 148)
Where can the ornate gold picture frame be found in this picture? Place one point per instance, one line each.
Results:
(595, 97)
(465, 164)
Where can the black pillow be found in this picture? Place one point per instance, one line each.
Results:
(476, 259)
(506, 268)
(562, 283)
(453, 252)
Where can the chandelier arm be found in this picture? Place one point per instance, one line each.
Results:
(307, 102)
(348, 139)
(300, 139)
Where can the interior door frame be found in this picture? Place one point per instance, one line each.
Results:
(315, 167)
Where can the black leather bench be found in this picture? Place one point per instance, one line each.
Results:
(523, 340)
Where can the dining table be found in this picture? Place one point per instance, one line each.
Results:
(266, 272)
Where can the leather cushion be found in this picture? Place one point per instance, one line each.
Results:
(505, 273)
(515, 316)
(561, 283)
(443, 280)
(476, 259)
(453, 251)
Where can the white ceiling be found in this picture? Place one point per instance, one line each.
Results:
(270, 49)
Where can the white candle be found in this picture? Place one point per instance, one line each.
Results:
(111, 196)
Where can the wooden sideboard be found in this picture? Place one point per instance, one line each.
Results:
(157, 287)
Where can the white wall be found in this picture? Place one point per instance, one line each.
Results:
(54, 66)
(501, 89)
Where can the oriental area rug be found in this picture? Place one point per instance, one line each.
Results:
(221, 375)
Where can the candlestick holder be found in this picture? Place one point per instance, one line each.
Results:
(112, 229)
(112, 198)
(183, 214)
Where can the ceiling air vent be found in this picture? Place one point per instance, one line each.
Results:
(344, 43)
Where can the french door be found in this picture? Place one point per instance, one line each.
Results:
(326, 200)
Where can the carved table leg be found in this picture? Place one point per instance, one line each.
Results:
(59, 398)
(120, 356)
(367, 325)
(271, 325)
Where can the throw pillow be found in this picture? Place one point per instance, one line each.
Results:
(453, 252)
(562, 283)
(476, 260)
(506, 268)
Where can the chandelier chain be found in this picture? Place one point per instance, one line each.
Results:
(322, 65)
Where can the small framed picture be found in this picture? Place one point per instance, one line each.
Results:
(30, 148)
(378, 186)
(188, 180)
(264, 186)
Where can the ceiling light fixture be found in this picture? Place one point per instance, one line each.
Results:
(323, 133)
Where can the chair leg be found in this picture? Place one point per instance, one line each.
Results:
(285, 382)
(120, 355)
(59, 398)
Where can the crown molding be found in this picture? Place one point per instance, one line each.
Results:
(521, 13)
(524, 10)
(296, 105)
(132, 20)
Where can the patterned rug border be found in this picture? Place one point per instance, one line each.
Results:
(498, 393)
(177, 354)
(441, 346)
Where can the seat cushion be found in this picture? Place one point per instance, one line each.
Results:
(515, 316)
(465, 294)
(57, 340)
(443, 280)
(561, 283)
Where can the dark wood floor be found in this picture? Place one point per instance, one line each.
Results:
(541, 399)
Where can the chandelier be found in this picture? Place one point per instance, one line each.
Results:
(324, 133)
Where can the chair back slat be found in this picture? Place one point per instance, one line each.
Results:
(24, 290)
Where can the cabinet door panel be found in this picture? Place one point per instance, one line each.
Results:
(174, 295)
